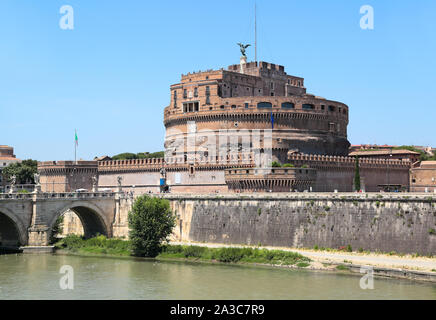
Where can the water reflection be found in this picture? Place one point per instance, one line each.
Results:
(37, 277)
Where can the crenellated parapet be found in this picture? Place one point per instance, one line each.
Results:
(269, 179)
(325, 161)
(153, 164)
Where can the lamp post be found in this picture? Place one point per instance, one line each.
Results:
(389, 172)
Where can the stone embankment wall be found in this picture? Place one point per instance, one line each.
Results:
(377, 222)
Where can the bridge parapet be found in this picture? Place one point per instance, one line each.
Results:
(63, 195)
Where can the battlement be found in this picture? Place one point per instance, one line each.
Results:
(132, 164)
(346, 161)
(261, 65)
(269, 179)
(66, 163)
(60, 167)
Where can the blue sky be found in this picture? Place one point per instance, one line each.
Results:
(110, 76)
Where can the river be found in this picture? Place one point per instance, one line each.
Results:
(38, 277)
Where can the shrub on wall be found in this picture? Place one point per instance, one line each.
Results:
(276, 164)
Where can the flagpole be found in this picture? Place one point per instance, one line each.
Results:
(75, 146)
(255, 32)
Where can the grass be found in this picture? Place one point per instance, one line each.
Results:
(342, 267)
(118, 247)
(97, 245)
(235, 255)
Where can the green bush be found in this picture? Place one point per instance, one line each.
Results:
(303, 264)
(73, 242)
(57, 229)
(99, 244)
(230, 254)
(288, 165)
(342, 267)
(276, 164)
(151, 222)
(173, 249)
(194, 251)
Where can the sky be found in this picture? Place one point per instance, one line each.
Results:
(109, 77)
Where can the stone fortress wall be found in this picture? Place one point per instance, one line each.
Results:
(374, 222)
(207, 175)
(67, 176)
(369, 222)
(337, 173)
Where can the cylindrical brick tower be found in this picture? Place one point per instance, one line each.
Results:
(225, 109)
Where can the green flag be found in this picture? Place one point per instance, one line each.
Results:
(75, 138)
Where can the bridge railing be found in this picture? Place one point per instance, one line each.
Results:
(63, 195)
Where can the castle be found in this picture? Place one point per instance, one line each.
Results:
(224, 129)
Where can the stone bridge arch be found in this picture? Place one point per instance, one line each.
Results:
(93, 218)
(13, 232)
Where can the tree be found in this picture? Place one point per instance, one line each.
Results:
(151, 222)
(57, 229)
(124, 156)
(357, 175)
(24, 171)
(140, 155)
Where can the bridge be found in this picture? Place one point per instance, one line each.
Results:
(28, 219)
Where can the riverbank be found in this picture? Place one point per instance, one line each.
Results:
(388, 265)
(121, 248)
(406, 267)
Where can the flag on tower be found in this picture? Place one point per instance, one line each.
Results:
(76, 139)
(272, 121)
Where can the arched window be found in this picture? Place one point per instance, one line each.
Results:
(264, 105)
(288, 105)
(308, 107)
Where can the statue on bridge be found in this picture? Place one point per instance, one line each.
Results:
(13, 188)
(119, 181)
(37, 178)
(94, 183)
